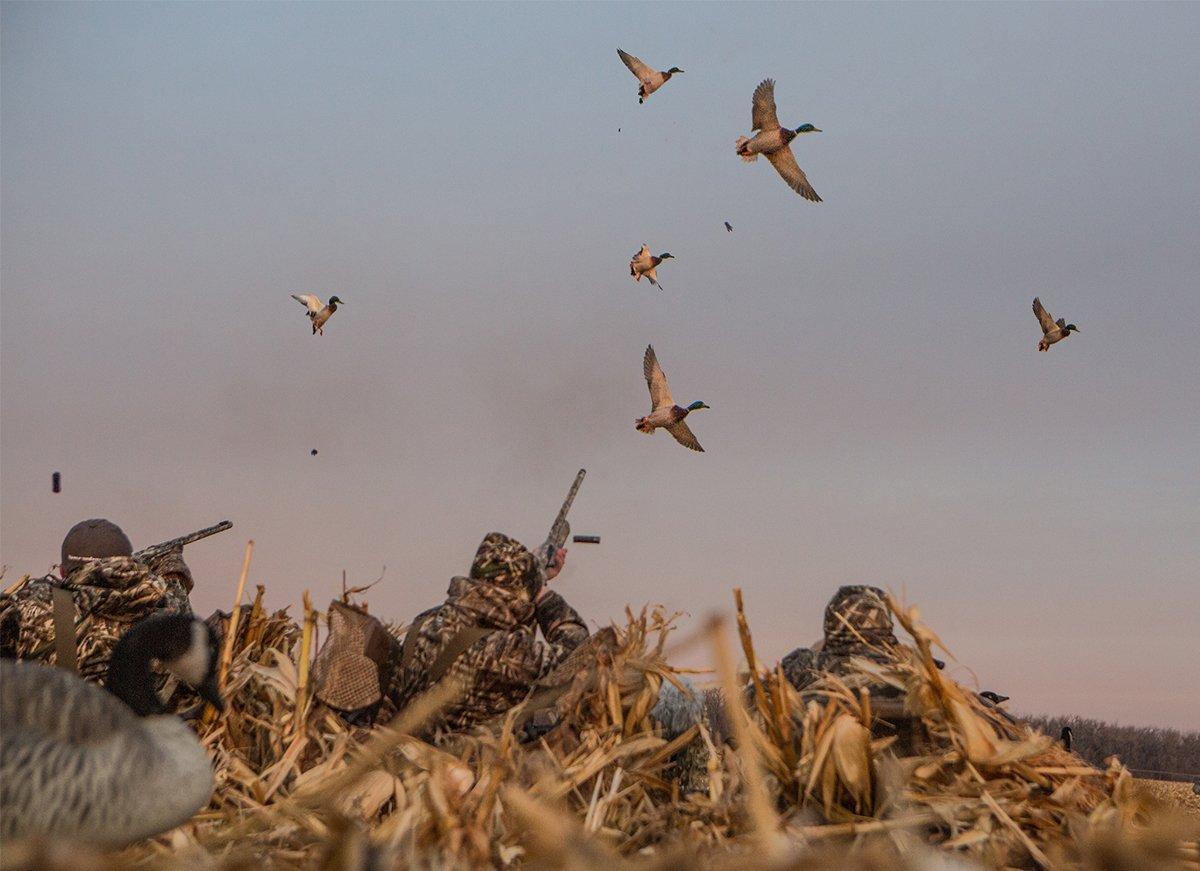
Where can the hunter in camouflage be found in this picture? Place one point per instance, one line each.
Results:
(858, 623)
(108, 594)
(498, 609)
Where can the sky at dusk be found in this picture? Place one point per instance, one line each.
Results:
(472, 179)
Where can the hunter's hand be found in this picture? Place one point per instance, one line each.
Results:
(556, 565)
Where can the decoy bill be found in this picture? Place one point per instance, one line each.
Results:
(650, 80)
(774, 141)
(1052, 330)
(664, 413)
(645, 263)
(318, 313)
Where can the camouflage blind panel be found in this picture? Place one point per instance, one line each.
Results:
(346, 674)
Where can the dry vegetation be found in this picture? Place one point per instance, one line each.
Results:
(804, 785)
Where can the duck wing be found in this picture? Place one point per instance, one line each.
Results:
(1043, 316)
(656, 380)
(309, 301)
(684, 436)
(785, 164)
(636, 67)
(762, 109)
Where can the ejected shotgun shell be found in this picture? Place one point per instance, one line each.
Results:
(586, 539)
(56, 482)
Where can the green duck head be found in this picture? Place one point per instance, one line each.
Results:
(666, 256)
(1070, 327)
(335, 300)
(807, 128)
(673, 70)
(696, 405)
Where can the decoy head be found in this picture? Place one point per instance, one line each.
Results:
(807, 128)
(666, 256)
(336, 300)
(186, 647)
(696, 405)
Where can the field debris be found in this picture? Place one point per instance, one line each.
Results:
(836, 776)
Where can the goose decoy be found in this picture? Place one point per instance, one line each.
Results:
(1065, 737)
(664, 413)
(645, 263)
(1052, 330)
(994, 698)
(650, 80)
(773, 141)
(106, 766)
(318, 313)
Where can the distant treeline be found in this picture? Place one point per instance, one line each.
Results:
(1147, 750)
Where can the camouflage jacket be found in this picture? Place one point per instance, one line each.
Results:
(499, 669)
(109, 594)
(857, 623)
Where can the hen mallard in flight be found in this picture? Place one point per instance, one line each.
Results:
(1052, 330)
(318, 313)
(773, 141)
(645, 263)
(651, 80)
(664, 413)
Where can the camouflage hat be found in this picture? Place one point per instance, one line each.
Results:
(96, 537)
(505, 562)
(857, 617)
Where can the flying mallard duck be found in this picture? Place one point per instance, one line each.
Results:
(664, 412)
(318, 313)
(645, 263)
(728, 227)
(772, 140)
(1052, 330)
(651, 80)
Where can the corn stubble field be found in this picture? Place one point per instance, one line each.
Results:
(800, 786)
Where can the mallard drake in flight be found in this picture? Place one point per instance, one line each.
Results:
(773, 141)
(1052, 330)
(318, 313)
(664, 413)
(651, 80)
(645, 263)
(728, 227)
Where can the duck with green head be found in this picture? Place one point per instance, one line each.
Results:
(645, 263)
(318, 313)
(775, 141)
(664, 413)
(649, 80)
(1052, 330)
